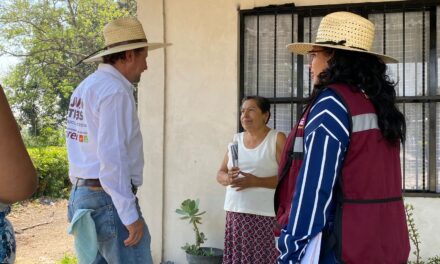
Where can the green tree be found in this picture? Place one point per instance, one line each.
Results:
(50, 37)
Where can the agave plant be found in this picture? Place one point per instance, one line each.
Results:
(189, 209)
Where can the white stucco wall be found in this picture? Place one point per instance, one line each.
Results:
(151, 107)
(195, 114)
(188, 111)
(426, 218)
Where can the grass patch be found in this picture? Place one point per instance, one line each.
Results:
(68, 260)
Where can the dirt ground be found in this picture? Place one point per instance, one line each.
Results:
(41, 231)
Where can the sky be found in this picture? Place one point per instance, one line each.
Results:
(6, 62)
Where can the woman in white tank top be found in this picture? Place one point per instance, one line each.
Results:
(250, 187)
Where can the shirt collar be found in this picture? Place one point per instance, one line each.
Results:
(105, 67)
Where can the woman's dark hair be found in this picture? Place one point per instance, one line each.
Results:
(368, 73)
(262, 103)
(113, 58)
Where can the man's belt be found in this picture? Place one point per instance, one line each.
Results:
(96, 183)
(88, 182)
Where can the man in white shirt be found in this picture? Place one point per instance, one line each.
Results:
(104, 145)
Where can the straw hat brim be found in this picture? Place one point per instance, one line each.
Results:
(131, 46)
(304, 48)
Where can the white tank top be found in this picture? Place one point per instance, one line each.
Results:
(260, 161)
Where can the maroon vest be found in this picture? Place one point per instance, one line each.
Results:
(290, 164)
(370, 223)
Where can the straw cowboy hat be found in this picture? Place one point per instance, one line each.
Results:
(343, 30)
(123, 34)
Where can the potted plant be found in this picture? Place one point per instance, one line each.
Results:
(189, 209)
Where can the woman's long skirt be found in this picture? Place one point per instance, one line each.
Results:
(249, 239)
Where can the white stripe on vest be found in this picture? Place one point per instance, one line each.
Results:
(364, 122)
(298, 147)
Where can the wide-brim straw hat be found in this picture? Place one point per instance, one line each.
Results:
(123, 34)
(345, 31)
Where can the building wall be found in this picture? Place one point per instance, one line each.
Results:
(426, 216)
(188, 111)
(151, 107)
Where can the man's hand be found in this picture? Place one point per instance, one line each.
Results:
(135, 233)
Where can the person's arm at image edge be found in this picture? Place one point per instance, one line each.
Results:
(18, 179)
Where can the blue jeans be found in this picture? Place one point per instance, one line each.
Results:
(7, 238)
(110, 230)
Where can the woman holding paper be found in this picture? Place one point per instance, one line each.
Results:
(250, 186)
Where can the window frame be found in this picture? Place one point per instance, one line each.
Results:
(428, 7)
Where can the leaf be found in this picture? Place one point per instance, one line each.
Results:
(180, 211)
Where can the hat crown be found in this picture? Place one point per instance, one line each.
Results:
(122, 30)
(346, 29)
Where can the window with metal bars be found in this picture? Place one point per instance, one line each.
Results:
(407, 31)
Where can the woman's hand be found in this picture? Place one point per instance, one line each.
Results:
(226, 177)
(246, 180)
(232, 175)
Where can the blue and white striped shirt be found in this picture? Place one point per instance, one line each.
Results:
(326, 138)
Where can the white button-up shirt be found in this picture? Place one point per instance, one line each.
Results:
(104, 139)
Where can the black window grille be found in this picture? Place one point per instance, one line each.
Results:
(405, 30)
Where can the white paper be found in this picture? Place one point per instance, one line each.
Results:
(312, 251)
(233, 149)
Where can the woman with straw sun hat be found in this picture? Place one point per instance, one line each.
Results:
(339, 176)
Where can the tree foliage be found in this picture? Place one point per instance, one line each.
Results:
(52, 169)
(50, 37)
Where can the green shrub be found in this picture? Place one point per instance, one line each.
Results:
(68, 260)
(52, 168)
